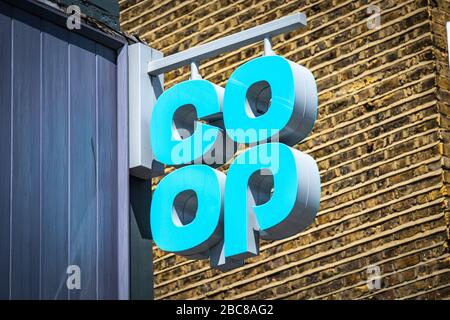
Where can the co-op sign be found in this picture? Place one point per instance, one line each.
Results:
(270, 191)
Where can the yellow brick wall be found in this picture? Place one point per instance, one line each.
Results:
(381, 142)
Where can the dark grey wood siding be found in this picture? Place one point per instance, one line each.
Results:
(58, 161)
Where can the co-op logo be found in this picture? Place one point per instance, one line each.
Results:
(271, 190)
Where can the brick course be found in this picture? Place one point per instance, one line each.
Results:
(381, 142)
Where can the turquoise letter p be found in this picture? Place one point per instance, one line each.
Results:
(253, 209)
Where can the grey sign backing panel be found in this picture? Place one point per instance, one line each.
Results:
(60, 156)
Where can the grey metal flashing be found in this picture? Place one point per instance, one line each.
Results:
(123, 200)
(112, 39)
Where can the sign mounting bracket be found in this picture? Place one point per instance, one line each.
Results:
(228, 43)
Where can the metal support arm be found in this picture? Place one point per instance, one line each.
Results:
(228, 43)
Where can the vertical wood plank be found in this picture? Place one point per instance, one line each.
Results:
(83, 156)
(107, 173)
(5, 146)
(25, 255)
(54, 162)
